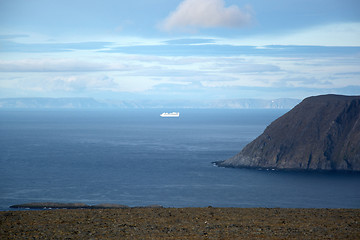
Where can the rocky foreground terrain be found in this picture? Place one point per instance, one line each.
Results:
(181, 223)
(320, 133)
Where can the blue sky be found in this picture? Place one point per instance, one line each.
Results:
(179, 49)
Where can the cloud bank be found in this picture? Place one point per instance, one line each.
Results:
(193, 14)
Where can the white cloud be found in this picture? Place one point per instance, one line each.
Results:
(101, 73)
(82, 83)
(335, 34)
(48, 82)
(192, 14)
(60, 65)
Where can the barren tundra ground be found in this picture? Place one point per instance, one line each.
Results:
(181, 223)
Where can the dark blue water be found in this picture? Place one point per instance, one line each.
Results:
(137, 158)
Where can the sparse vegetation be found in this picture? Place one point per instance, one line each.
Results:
(182, 223)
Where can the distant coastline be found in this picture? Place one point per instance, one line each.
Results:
(91, 103)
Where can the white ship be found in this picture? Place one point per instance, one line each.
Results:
(173, 114)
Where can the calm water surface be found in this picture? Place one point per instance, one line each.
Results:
(137, 158)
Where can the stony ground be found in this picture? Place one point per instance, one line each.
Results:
(181, 223)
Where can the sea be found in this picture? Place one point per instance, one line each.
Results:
(137, 158)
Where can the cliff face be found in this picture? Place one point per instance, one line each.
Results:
(320, 133)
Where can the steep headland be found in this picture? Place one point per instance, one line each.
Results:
(320, 133)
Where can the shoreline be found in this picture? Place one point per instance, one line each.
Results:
(182, 223)
(80, 205)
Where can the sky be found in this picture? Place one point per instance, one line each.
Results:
(179, 49)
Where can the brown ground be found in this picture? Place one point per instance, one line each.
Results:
(181, 223)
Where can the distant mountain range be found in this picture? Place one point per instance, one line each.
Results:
(90, 103)
(281, 103)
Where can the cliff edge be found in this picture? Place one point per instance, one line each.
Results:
(320, 133)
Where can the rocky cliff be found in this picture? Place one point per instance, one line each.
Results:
(320, 133)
